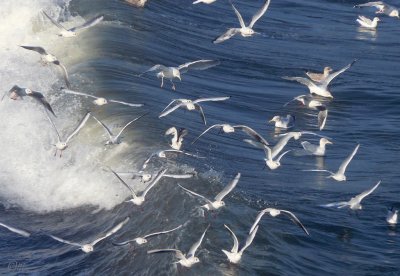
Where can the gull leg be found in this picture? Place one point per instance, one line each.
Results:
(55, 153)
(61, 153)
(162, 82)
(173, 85)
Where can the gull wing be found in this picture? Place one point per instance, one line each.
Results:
(259, 13)
(258, 218)
(308, 147)
(316, 76)
(301, 80)
(68, 91)
(346, 162)
(42, 100)
(241, 22)
(128, 104)
(193, 249)
(213, 99)
(281, 144)
(114, 230)
(365, 19)
(79, 127)
(319, 171)
(122, 243)
(295, 99)
(15, 230)
(201, 64)
(329, 78)
(64, 72)
(65, 241)
(322, 116)
(162, 232)
(58, 25)
(110, 134)
(134, 120)
(173, 101)
(204, 132)
(253, 134)
(180, 176)
(182, 133)
(227, 35)
(235, 247)
(250, 239)
(268, 152)
(280, 156)
(54, 126)
(366, 193)
(148, 160)
(38, 49)
(154, 182)
(228, 188)
(90, 23)
(154, 68)
(377, 4)
(172, 109)
(200, 109)
(124, 183)
(339, 205)
(196, 194)
(177, 252)
(295, 220)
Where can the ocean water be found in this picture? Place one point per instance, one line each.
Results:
(76, 198)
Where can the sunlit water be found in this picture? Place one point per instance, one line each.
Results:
(75, 197)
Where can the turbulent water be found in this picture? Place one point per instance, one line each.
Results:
(75, 197)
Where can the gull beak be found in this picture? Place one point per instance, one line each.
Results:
(271, 121)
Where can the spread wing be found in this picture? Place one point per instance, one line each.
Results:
(172, 109)
(203, 117)
(235, 247)
(202, 64)
(110, 134)
(365, 19)
(79, 127)
(259, 13)
(154, 181)
(64, 72)
(213, 99)
(15, 230)
(112, 231)
(58, 25)
(227, 35)
(54, 126)
(68, 91)
(295, 220)
(90, 23)
(258, 218)
(156, 67)
(134, 120)
(124, 183)
(228, 188)
(339, 205)
(322, 116)
(280, 156)
(250, 239)
(65, 241)
(177, 252)
(193, 249)
(377, 4)
(253, 134)
(196, 194)
(204, 132)
(368, 192)
(346, 162)
(40, 50)
(328, 79)
(304, 81)
(162, 232)
(128, 104)
(241, 22)
(42, 100)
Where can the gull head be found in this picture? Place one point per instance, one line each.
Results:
(275, 119)
(327, 70)
(394, 13)
(171, 131)
(61, 145)
(190, 106)
(100, 101)
(176, 73)
(227, 128)
(218, 204)
(87, 248)
(246, 31)
(324, 142)
(161, 154)
(28, 91)
(296, 135)
(146, 177)
(140, 240)
(377, 19)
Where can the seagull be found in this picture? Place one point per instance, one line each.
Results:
(273, 164)
(314, 149)
(339, 175)
(391, 217)
(191, 105)
(355, 202)
(276, 212)
(185, 260)
(136, 3)
(15, 230)
(235, 255)
(47, 58)
(99, 100)
(320, 88)
(313, 104)
(175, 72)
(138, 200)
(17, 92)
(116, 139)
(320, 77)
(74, 31)
(88, 247)
(146, 177)
(227, 128)
(283, 122)
(244, 30)
(164, 154)
(382, 8)
(204, 1)
(217, 203)
(177, 137)
(368, 23)
(143, 239)
(62, 145)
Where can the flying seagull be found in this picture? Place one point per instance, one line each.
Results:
(283, 122)
(244, 30)
(75, 30)
(177, 136)
(175, 72)
(88, 247)
(392, 216)
(355, 202)
(47, 58)
(146, 177)
(368, 23)
(15, 230)
(100, 100)
(217, 203)
(382, 8)
(318, 76)
(204, 1)
(185, 260)
(166, 154)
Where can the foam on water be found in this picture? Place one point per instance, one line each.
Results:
(30, 176)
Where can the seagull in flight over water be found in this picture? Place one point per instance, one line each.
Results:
(185, 260)
(74, 31)
(382, 8)
(88, 247)
(175, 72)
(177, 136)
(15, 230)
(339, 175)
(100, 100)
(355, 202)
(244, 30)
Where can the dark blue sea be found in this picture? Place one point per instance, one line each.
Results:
(77, 198)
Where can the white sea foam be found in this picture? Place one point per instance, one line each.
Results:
(30, 176)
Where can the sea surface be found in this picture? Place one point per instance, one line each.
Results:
(77, 198)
